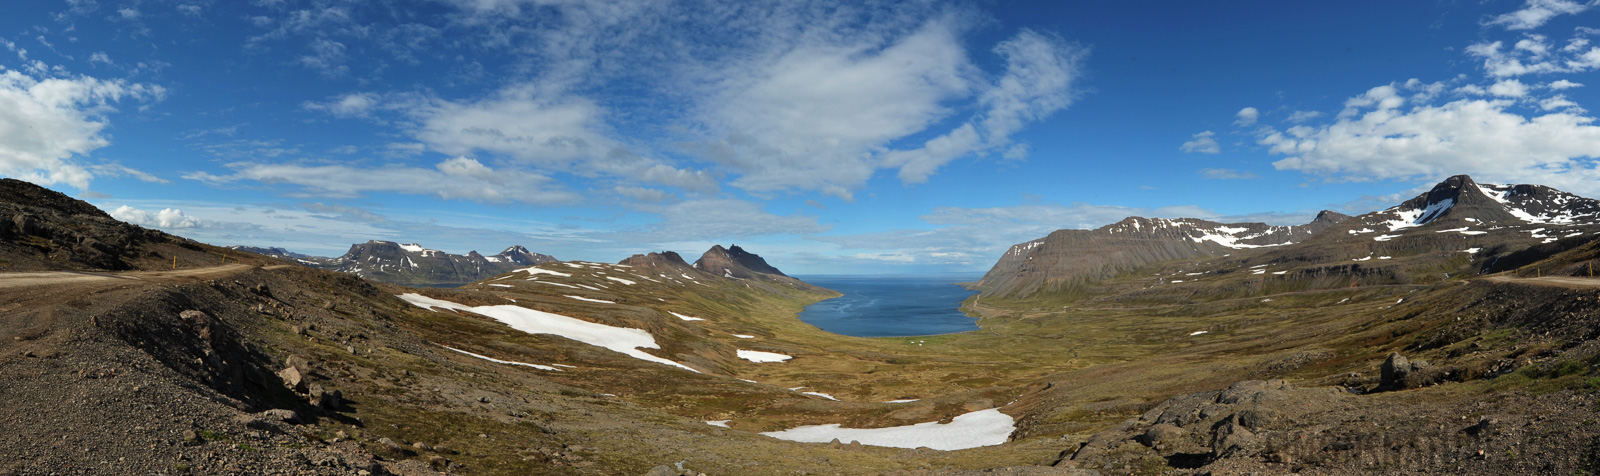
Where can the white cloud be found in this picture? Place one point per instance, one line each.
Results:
(1564, 84)
(1532, 55)
(1038, 81)
(1509, 88)
(715, 219)
(1535, 13)
(1481, 137)
(100, 57)
(189, 10)
(1204, 142)
(810, 117)
(1246, 117)
(1303, 116)
(457, 178)
(167, 218)
(532, 124)
(48, 125)
(348, 105)
(1226, 174)
(1559, 102)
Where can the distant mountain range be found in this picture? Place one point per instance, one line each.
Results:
(412, 264)
(1484, 221)
(732, 262)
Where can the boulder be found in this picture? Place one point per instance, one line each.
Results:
(1160, 436)
(292, 379)
(1230, 437)
(1394, 370)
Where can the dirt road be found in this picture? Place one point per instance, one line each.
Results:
(45, 278)
(1565, 281)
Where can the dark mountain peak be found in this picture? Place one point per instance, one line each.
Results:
(1330, 216)
(735, 262)
(1456, 198)
(662, 262)
(520, 255)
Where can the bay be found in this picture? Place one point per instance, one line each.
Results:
(891, 306)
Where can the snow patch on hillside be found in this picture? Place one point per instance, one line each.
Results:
(538, 270)
(581, 298)
(762, 357)
(972, 430)
(623, 340)
(507, 362)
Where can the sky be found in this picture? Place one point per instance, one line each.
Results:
(851, 137)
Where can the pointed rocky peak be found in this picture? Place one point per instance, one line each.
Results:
(734, 261)
(520, 255)
(1330, 217)
(1456, 198)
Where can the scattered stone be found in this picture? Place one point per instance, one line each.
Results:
(324, 398)
(1482, 425)
(199, 322)
(662, 470)
(280, 414)
(420, 446)
(191, 438)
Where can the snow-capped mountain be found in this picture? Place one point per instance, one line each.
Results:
(414, 264)
(1457, 216)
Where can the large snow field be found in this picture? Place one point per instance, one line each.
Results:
(971, 430)
(624, 340)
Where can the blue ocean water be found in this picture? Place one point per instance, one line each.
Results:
(891, 306)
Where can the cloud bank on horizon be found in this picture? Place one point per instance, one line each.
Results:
(834, 136)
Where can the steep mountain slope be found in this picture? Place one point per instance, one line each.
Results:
(1458, 226)
(412, 264)
(1067, 257)
(735, 263)
(44, 229)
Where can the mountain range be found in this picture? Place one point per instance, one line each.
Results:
(412, 264)
(1456, 218)
(1463, 320)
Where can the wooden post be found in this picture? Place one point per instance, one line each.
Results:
(174, 261)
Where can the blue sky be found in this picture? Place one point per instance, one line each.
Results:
(830, 137)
